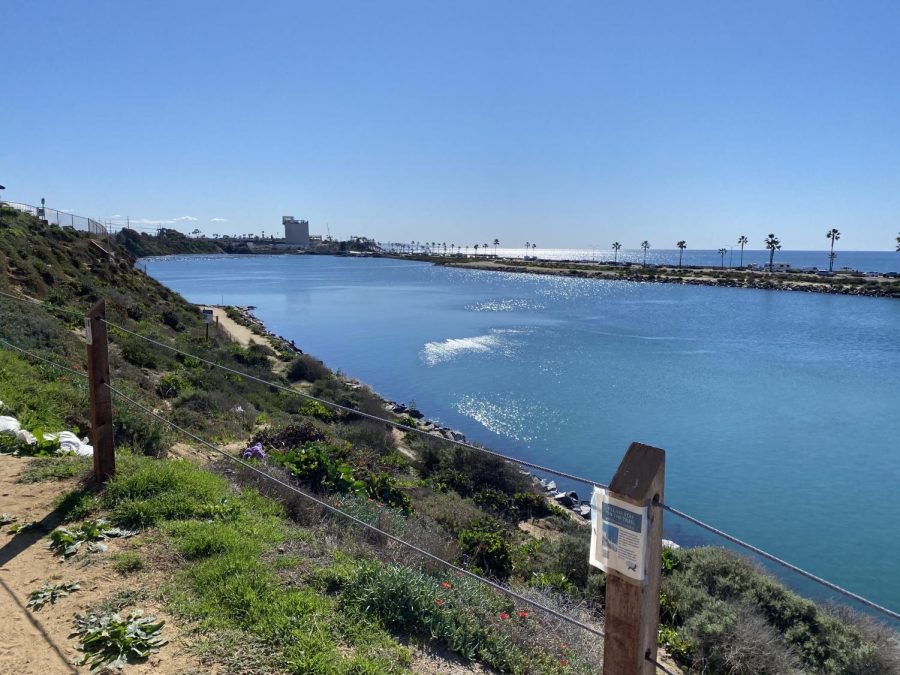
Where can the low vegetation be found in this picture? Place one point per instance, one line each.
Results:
(270, 582)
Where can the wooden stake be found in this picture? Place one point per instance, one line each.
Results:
(101, 396)
(632, 608)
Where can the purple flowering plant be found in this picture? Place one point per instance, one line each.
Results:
(254, 452)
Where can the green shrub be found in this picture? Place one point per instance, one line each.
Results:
(127, 562)
(307, 369)
(315, 409)
(137, 352)
(135, 429)
(170, 385)
(487, 547)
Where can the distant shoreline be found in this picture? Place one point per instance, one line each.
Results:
(841, 283)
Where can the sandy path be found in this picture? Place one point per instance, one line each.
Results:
(38, 642)
(240, 334)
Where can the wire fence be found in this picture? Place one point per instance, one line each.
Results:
(62, 219)
(880, 609)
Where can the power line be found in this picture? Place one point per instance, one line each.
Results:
(358, 521)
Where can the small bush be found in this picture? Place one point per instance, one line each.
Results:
(487, 548)
(307, 369)
(136, 430)
(138, 353)
(170, 385)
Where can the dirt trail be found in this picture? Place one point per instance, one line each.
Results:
(240, 334)
(38, 642)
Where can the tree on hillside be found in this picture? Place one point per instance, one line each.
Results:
(615, 247)
(773, 244)
(742, 240)
(496, 244)
(681, 246)
(645, 245)
(834, 235)
(722, 252)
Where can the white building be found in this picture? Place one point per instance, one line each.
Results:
(296, 232)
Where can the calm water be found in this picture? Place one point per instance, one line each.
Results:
(864, 261)
(778, 411)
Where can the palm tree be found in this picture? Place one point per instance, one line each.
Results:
(484, 247)
(834, 235)
(681, 246)
(615, 247)
(773, 244)
(496, 244)
(476, 249)
(645, 245)
(527, 246)
(743, 240)
(534, 246)
(722, 252)
(898, 243)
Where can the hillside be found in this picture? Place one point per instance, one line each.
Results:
(255, 579)
(165, 242)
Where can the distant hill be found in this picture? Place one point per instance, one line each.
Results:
(167, 242)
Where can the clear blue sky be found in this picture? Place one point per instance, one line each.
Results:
(563, 123)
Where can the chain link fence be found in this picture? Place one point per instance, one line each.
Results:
(62, 219)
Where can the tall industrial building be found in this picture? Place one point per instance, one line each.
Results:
(296, 232)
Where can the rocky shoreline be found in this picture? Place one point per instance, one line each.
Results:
(568, 500)
(876, 287)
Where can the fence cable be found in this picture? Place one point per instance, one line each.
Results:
(348, 409)
(784, 563)
(358, 521)
(681, 514)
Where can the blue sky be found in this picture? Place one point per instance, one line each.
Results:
(563, 123)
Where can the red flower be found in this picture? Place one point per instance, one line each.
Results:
(504, 615)
(523, 614)
(564, 662)
(445, 584)
(438, 602)
(564, 646)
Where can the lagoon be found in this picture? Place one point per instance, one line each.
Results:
(778, 410)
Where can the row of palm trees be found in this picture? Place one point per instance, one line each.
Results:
(771, 242)
(434, 247)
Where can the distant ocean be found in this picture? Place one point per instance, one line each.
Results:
(863, 261)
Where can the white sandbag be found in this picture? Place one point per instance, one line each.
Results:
(26, 437)
(9, 424)
(69, 442)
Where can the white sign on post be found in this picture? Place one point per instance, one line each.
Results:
(618, 536)
(207, 315)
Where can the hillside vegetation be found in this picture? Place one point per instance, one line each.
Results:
(263, 580)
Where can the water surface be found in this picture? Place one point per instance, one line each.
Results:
(778, 411)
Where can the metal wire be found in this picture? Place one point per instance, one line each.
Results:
(658, 665)
(778, 561)
(41, 358)
(338, 406)
(356, 520)
(681, 514)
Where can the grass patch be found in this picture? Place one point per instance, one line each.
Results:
(127, 562)
(42, 469)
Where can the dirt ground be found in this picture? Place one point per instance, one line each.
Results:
(39, 642)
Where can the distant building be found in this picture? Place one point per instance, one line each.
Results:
(296, 232)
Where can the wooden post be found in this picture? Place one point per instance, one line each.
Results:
(632, 608)
(101, 396)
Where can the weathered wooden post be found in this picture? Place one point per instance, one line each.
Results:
(101, 396)
(627, 543)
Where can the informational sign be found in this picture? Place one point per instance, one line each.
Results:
(618, 536)
(207, 315)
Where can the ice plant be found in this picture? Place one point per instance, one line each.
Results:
(445, 584)
(564, 661)
(255, 451)
(438, 602)
(523, 614)
(504, 616)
